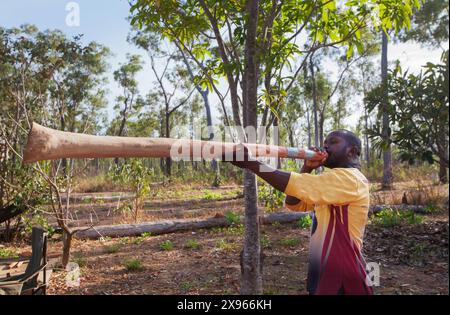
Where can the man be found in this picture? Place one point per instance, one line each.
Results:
(339, 198)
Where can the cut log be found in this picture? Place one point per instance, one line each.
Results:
(414, 208)
(170, 226)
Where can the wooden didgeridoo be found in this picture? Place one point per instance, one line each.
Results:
(49, 144)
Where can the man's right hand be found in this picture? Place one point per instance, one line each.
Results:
(311, 165)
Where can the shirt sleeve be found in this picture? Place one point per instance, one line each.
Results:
(301, 206)
(333, 187)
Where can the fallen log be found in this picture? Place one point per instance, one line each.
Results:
(404, 207)
(170, 226)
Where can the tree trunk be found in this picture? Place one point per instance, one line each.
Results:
(168, 160)
(366, 137)
(443, 167)
(251, 276)
(67, 243)
(387, 154)
(313, 79)
(308, 118)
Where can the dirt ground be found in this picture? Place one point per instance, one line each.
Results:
(413, 258)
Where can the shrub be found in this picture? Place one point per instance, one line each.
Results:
(8, 253)
(166, 245)
(289, 242)
(192, 244)
(133, 264)
(113, 248)
(305, 222)
(210, 195)
(233, 218)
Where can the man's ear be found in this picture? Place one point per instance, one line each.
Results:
(352, 152)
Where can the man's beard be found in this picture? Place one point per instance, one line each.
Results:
(333, 158)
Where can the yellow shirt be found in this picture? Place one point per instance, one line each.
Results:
(339, 198)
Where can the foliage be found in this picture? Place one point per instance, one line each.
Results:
(271, 198)
(233, 218)
(79, 259)
(429, 24)
(389, 218)
(137, 176)
(305, 222)
(192, 244)
(265, 242)
(113, 248)
(8, 253)
(289, 242)
(166, 245)
(224, 245)
(133, 264)
(418, 111)
(210, 195)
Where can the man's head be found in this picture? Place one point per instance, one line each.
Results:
(343, 148)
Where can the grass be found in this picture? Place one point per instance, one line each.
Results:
(8, 253)
(210, 195)
(233, 218)
(166, 245)
(390, 218)
(99, 183)
(113, 248)
(133, 264)
(305, 222)
(192, 244)
(139, 239)
(79, 259)
(187, 285)
(289, 242)
(265, 242)
(225, 245)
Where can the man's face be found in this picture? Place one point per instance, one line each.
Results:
(337, 148)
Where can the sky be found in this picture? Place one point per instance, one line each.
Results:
(104, 21)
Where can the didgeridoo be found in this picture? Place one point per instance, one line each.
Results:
(49, 144)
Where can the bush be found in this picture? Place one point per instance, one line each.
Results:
(233, 218)
(271, 198)
(192, 244)
(8, 253)
(289, 242)
(389, 218)
(210, 195)
(166, 245)
(133, 264)
(305, 222)
(113, 248)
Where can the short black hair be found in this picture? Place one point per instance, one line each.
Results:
(351, 139)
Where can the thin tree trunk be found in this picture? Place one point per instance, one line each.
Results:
(366, 137)
(251, 277)
(308, 118)
(313, 79)
(387, 154)
(168, 160)
(67, 243)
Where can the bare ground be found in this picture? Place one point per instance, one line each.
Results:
(413, 258)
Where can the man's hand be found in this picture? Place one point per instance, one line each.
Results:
(311, 165)
(242, 157)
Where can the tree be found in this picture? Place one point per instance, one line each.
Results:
(387, 180)
(125, 76)
(418, 110)
(429, 24)
(214, 34)
(171, 79)
(47, 78)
